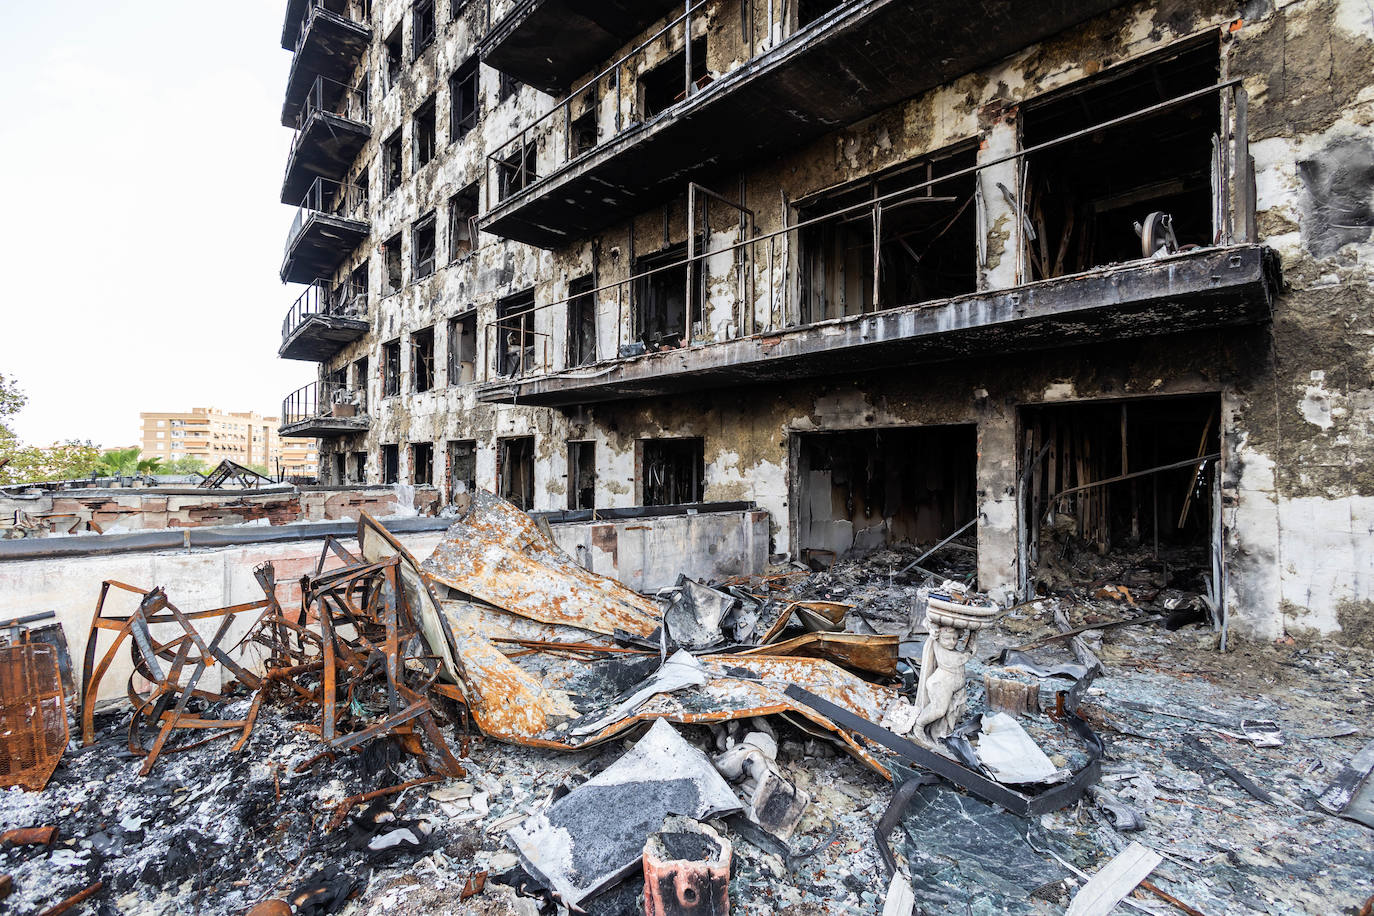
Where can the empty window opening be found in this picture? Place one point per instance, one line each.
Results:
(516, 171)
(391, 163)
(1156, 530)
(515, 470)
(462, 349)
(659, 298)
(462, 222)
(391, 369)
(340, 468)
(391, 258)
(666, 84)
(928, 248)
(581, 475)
(391, 464)
(424, 243)
(360, 467)
(583, 129)
(422, 359)
(1086, 196)
(581, 322)
(393, 52)
(515, 340)
(423, 31)
(422, 464)
(351, 299)
(422, 133)
(860, 490)
(360, 382)
(456, 7)
(672, 471)
(464, 97)
(462, 467)
(508, 87)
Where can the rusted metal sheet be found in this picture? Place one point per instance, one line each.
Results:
(33, 715)
(874, 654)
(496, 554)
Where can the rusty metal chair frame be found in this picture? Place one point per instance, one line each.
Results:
(164, 706)
(33, 715)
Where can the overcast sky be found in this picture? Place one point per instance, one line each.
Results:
(141, 157)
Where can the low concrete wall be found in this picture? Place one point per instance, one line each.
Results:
(646, 554)
(156, 508)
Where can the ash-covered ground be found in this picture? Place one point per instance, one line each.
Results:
(213, 832)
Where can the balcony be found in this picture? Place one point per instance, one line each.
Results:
(857, 59)
(327, 43)
(1159, 238)
(323, 409)
(331, 130)
(549, 43)
(322, 322)
(330, 223)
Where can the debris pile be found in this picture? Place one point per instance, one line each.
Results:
(498, 730)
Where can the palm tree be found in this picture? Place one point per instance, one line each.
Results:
(149, 465)
(118, 462)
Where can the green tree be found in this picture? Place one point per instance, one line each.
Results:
(118, 462)
(20, 463)
(183, 466)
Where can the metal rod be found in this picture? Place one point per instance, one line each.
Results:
(969, 524)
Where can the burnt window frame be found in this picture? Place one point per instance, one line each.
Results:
(392, 62)
(519, 305)
(422, 34)
(503, 447)
(456, 334)
(424, 134)
(424, 247)
(391, 368)
(393, 163)
(451, 449)
(393, 266)
(465, 98)
(642, 469)
(422, 363)
(582, 333)
(422, 464)
(576, 464)
(390, 461)
(462, 214)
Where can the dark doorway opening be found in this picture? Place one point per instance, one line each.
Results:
(515, 339)
(928, 240)
(462, 467)
(1086, 196)
(666, 84)
(660, 316)
(515, 470)
(422, 464)
(581, 475)
(391, 464)
(861, 490)
(1159, 524)
(672, 471)
(581, 322)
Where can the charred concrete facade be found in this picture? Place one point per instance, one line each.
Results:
(873, 266)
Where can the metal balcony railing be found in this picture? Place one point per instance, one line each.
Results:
(319, 298)
(319, 8)
(767, 288)
(564, 136)
(351, 103)
(321, 401)
(332, 198)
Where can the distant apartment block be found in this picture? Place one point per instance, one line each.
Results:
(213, 435)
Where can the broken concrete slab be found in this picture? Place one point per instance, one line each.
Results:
(594, 836)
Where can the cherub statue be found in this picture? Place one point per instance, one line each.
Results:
(940, 696)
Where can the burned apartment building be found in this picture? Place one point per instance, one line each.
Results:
(888, 270)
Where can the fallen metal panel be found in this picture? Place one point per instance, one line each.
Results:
(875, 654)
(497, 554)
(961, 776)
(33, 715)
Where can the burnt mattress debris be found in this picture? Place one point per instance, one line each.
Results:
(498, 729)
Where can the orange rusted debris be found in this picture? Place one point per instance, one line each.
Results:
(874, 654)
(496, 554)
(33, 715)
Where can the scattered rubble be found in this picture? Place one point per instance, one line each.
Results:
(496, 730)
